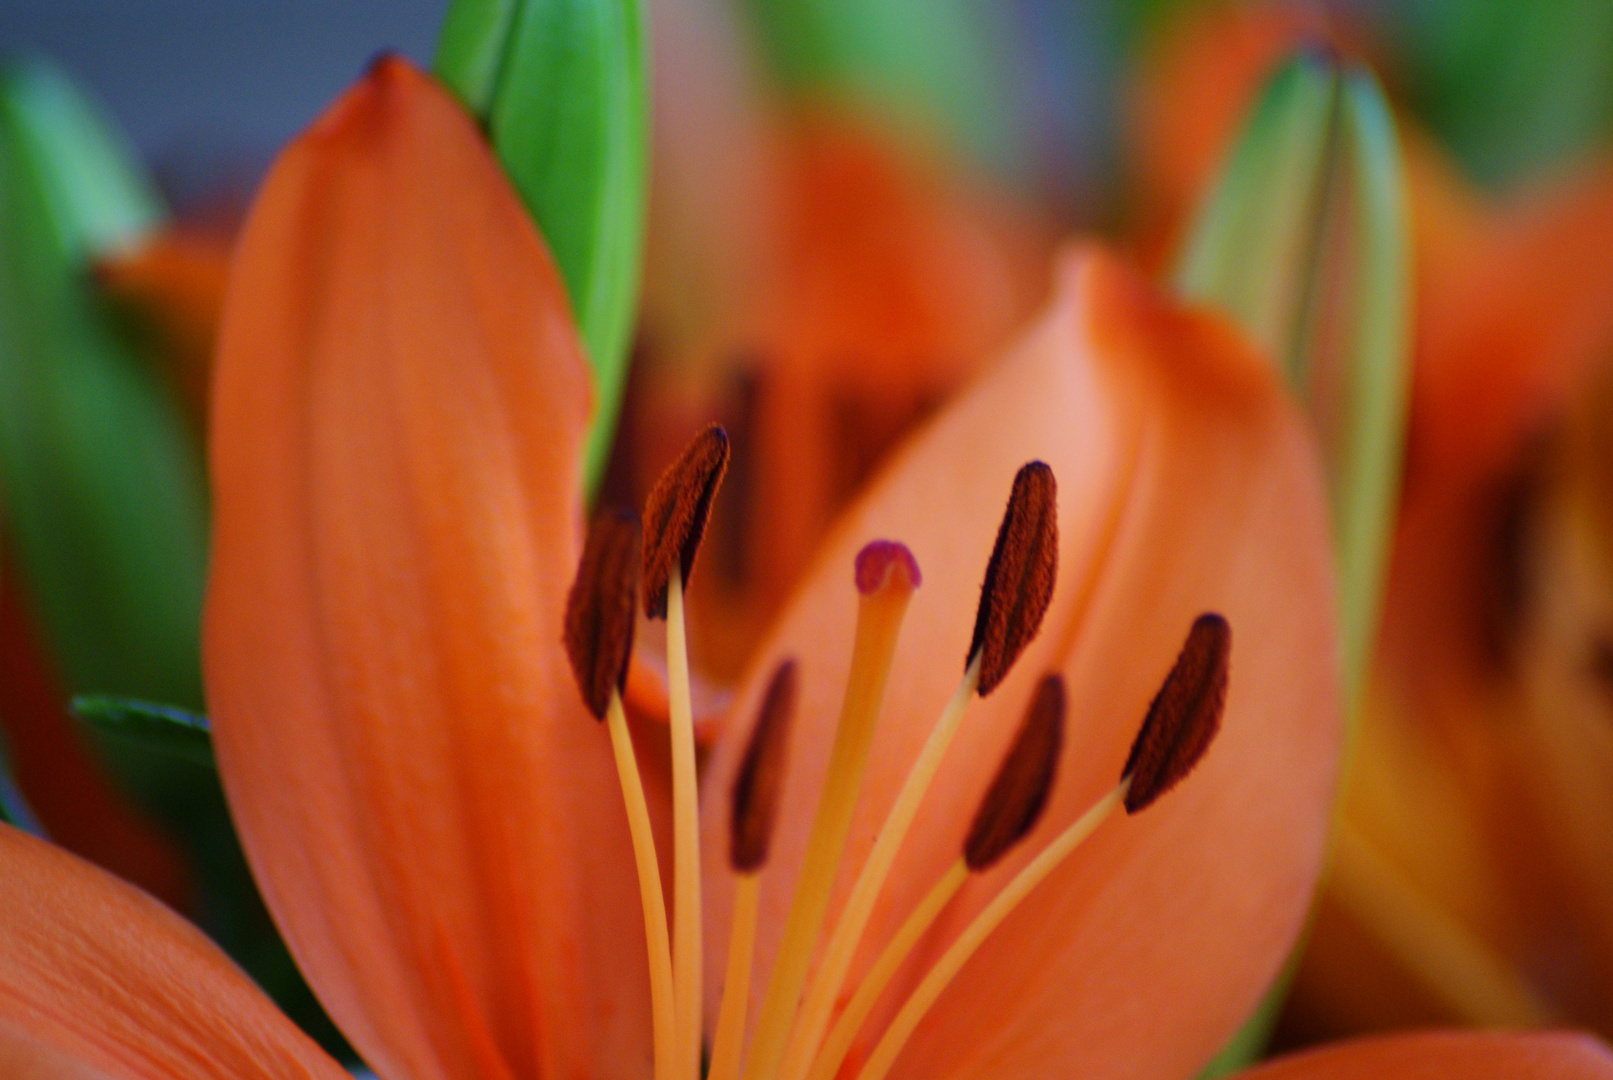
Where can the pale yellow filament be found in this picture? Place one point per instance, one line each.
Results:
(649, 886)
(850, 1021)
(686, 914)
(736, 985)
(1449, 960)
(879, 618)
(825, 987)
(952, 961)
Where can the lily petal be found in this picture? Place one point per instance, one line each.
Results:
(1186, 484)
(98, 978)
(1449, 1056)
(398, 418)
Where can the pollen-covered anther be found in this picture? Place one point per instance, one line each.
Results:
(676, 512)
(602, 608)
(761, 773)
(1184, 716)
(1020, 576)
(1018, 794)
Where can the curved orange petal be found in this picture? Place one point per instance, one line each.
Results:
(398, 412)
(1449, 1056)
(97, 977)
(1186, 484)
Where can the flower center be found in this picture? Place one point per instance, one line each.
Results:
(797, 1035)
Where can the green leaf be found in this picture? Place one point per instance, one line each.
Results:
(471, 49)
(164, 728)
(102, 489)
(932, 65)
(1260, 221)
(560, 86)
(1304, 241)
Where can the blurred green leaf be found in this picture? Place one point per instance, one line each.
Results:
(1260, 221)
(162, 728)
(471, 49)
(1511, 86)
(931, 63)
(560, 87)
(1304, 241)
(102, 490)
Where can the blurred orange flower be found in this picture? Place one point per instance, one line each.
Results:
(433, 819)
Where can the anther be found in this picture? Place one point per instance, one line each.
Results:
(1020, 576)
(761, 774)
(676, 512)
(1019, 793)
(1184, 715)
(601, 608)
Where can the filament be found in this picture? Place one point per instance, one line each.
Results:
(736, 986)
(992, 915)
(686, 912)
(831, 973)
(649, 886)
(879, 618)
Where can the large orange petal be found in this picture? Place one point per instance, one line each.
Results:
(1186, 484)
(398, 412)
(96, 977)
(1449, 1056)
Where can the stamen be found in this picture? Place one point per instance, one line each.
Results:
(855, 1014)
(649, 887)
(886, 576)
(755, 798)
(848, 931)
(990, 917)
(1182, 720)
(600, 611)
(1184, 715)
(1019, 577)
(730, 1037)
(1006, 815)
(601, 608)
(761, 774)
(1019, 793)
(676, 512)
(688, 942)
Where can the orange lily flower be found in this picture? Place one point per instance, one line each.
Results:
(1470, 882)
(432, 816)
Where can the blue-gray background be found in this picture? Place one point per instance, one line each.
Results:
(204, 85)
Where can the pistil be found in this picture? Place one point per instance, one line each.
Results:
(1014, 597)
(886, 576)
